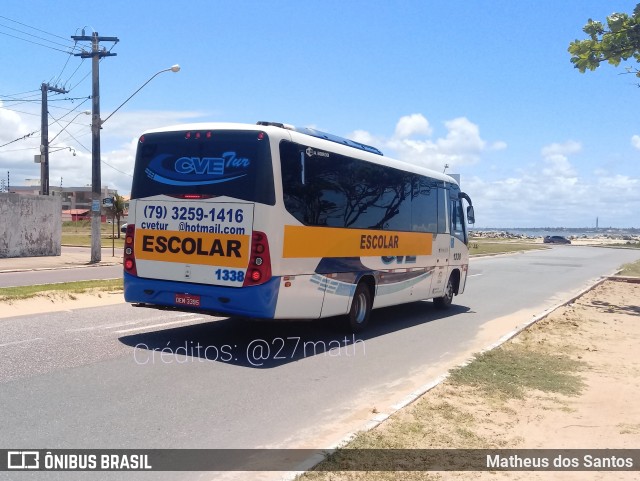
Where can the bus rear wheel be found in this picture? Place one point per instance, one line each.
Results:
(358, 317)
(445, 301)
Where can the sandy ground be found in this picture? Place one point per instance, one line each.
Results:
(52, 302)
(600, 331)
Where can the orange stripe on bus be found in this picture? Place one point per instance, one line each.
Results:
(301, 241)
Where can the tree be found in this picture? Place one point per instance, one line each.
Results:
(117, 210)
(619, 42)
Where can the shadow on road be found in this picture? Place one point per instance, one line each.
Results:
(269, 344)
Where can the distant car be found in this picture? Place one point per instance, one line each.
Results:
(123, 228)
(556, 239)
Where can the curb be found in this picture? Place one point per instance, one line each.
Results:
(379, 418)
(629, 279)
(57, 268)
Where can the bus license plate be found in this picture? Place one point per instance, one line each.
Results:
(188, 300)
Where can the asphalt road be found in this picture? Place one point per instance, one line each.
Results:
(72, 274)
(55, 274)
(98, 377)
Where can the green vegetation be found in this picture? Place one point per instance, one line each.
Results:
(8, 294)
(484, 247)
(632, 269)
(509, 372)
(79, 234)
(617, 42)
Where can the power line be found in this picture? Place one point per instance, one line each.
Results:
(73, 74)
(52, 100)
(34, 28)
(21, 93)
(51, 106)
(24, 137)
(61, 72)
(21, 138)
(22, 32)
(20, 111)
(35, 43)
(116, 169)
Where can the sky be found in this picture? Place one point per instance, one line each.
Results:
(484, 87)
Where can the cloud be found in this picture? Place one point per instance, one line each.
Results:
(566, 148)
(463, 136)
(635, 141)
(556, 161)
(11, 126)
(410, 125)
(411, 142)
(552, 193)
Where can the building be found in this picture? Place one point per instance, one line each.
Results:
(76, 201)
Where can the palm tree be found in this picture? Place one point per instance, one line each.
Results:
(117, 210)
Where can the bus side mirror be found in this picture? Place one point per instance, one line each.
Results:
(471, 218)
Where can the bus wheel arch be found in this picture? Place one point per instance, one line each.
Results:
(361, 304)
(452, 288)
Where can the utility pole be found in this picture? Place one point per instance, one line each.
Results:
(44, 137)
(96, 198)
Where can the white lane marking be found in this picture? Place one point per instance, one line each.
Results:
(123, 324)
(20, 342)
(473, 275)
(141, 328)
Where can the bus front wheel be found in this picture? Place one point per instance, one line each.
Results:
(445, 301)
(358, 317)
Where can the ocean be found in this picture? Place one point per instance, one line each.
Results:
(563, 231)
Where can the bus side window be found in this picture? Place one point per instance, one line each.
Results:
(442, 211)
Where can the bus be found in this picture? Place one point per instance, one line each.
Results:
(271, 221)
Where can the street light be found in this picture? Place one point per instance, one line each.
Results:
(70, 149)
(174, 68)
(85, 112)
(96, 125)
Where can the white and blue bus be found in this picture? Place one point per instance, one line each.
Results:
(270, 221)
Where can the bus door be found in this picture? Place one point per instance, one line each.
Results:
(441, 245)
(459, 258)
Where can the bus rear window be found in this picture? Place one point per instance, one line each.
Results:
(208, 163)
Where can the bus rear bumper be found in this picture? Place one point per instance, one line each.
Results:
(255, 301)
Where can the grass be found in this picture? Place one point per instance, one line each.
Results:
(509, 372)
(484, 247)
(9, 294)
(79, 234)
(632, 270)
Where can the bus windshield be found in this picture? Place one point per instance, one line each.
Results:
(209, 163)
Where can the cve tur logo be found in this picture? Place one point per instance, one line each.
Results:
(187, 171)
(211, 165)
(23, 460)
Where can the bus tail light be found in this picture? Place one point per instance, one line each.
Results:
(129, 260)
(259, 270)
